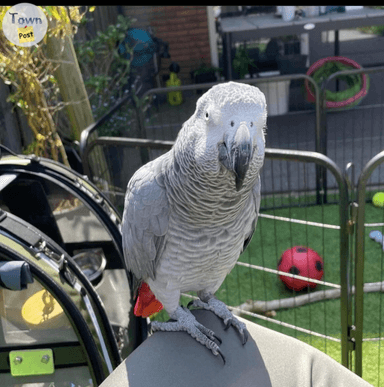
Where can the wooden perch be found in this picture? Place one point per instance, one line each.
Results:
(293, 302)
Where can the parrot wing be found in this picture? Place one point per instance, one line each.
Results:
(145, 220)
(256, 196)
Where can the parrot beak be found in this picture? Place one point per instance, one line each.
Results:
(241, 153)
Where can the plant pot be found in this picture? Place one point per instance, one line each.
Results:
(276, 95)
(204, 78)
(292, 64)
(292, 48)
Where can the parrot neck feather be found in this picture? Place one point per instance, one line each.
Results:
(205, 193)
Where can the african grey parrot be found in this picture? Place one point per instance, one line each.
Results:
(191, 212)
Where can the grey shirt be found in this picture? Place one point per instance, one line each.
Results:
(269, 358)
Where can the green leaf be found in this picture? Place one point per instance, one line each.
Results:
(48, 9)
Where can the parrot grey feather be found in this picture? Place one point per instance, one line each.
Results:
(256, 196)
(145, 220)
(190, 213)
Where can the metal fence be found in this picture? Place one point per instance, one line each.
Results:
(354, 135)
(293, 219)
(123, 157)
(162, 121)
(369, 309)
(306, 201)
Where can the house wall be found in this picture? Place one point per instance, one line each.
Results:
(185, 28)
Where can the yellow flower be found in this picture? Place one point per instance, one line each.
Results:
(40, 137)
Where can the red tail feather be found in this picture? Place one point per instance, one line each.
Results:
(146, 303)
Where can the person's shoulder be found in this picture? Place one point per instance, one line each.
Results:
(268, 359)
(291, 362)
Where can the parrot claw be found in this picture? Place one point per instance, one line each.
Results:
(219, 308)
(218, 339)
(245, 336)
(199, 303)
(186, 321)
(238, 325)
(221, 355)
(209, 333)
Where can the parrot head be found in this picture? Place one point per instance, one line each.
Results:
(230, 120)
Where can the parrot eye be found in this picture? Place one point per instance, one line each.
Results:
(232, 123)
(206, 115)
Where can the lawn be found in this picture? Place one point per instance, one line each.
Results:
(271, 239)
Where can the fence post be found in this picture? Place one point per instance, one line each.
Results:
(324, 145)
(71, 84)
(321, 147)
(359, 275)
(228, 56)
(359, 257)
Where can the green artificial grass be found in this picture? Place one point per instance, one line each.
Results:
(271, 239)
(373, 362)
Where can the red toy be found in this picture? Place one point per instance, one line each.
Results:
(302, 261)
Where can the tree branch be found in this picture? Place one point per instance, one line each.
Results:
(293, 302)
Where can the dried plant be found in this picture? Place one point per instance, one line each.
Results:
(31, 75)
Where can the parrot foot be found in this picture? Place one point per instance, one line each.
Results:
(220, 309)
(186, 321)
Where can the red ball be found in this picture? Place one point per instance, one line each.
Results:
(302, 261)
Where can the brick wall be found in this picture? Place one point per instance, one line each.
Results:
(185, 28)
